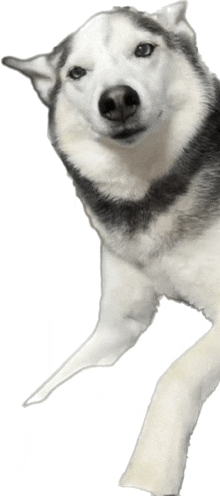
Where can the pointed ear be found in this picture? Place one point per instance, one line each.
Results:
(41, 71)
(173, 18)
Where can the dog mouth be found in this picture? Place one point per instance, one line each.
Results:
(128, 133)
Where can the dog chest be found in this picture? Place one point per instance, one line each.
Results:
(184, 267)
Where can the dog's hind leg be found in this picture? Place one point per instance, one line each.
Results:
(159, 459)
(126, 309)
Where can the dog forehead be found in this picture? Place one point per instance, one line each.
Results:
(106, 29)
(96, 30)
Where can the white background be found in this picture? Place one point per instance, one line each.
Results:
(79, 441)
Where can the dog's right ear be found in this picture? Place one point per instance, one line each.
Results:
(173, 18)
(41, 71)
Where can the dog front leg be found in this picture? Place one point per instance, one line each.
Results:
(159, 459)
(126, 309)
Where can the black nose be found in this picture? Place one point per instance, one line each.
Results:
(118, 103)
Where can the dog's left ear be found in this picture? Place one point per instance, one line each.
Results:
(41, 71)
(173, 18)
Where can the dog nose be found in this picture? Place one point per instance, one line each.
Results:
(118, 103)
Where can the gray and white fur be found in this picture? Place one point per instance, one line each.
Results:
(134, 114)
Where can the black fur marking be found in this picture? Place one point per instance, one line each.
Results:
(200, 156)
(63, 49)
(145, 22)
(175, 42)
(126, 214)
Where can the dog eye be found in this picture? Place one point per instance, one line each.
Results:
(144, 50)
(76, 72)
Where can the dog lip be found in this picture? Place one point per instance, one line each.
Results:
(127, 133)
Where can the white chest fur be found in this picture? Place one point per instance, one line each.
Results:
(177, 265)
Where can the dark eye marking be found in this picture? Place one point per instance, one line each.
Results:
(76, 72)
(144, 50)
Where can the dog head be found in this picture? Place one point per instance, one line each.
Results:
(109, 79)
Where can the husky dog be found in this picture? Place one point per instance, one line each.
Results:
(134, 114)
